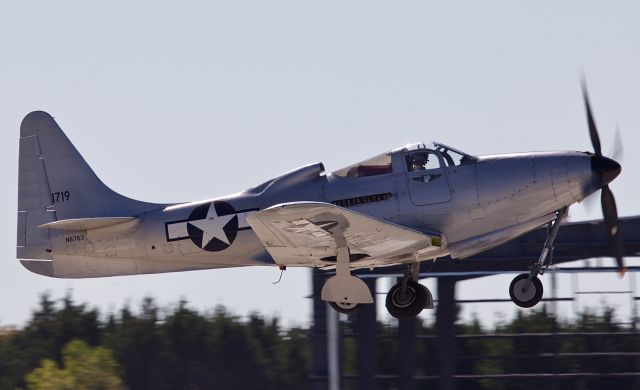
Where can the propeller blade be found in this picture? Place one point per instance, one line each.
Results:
(617, 149)
(607, 169)
(610, 213)
(593, 131)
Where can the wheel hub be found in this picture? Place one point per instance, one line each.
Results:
(404, 299)
(345, 305)
(524, 290)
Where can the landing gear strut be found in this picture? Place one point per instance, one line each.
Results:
(407, 298)
(344, 292)
(526, 289)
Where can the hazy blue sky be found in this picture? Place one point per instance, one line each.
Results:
(177, 101)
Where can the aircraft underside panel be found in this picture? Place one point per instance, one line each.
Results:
(94, 267)
(307, 234)
(472, 246)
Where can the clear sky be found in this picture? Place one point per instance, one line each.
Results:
(178, 101)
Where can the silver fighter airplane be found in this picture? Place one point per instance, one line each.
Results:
(415, 203)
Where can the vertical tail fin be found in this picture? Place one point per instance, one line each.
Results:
(56, 183)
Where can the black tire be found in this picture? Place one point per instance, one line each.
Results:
(523, 293)
(408, 306)
(345, 308)
(427, 294)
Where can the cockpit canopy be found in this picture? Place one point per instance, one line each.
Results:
(415, 154)
(377, 165)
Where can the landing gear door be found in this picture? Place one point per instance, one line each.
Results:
(426, 180)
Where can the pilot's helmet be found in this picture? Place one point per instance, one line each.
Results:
(419, 159)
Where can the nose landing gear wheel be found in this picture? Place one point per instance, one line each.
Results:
(525, 293)
(406, 304)
(345, 308)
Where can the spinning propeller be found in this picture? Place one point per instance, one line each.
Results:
(605, 170)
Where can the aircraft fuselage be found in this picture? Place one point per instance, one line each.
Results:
(493, 194)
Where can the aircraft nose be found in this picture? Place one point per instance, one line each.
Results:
(606, 168)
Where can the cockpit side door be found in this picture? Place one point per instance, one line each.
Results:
(426, 180)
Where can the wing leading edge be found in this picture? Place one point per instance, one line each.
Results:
(301, 234)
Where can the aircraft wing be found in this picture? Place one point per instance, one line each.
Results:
(304, 234)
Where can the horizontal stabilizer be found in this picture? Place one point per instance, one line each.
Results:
(86, 223)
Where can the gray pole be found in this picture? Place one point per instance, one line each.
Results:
(633, 311)
(407, 351)
(319, 331)
(333, 349)
(366, 330)
(445, 328)
(554, 294)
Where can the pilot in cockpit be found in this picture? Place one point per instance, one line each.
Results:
(418, 162)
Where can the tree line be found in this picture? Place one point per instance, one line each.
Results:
(68, 345)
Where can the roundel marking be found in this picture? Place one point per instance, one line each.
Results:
(213, 226)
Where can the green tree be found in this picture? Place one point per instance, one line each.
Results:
(141, 348)
(84, 368)
(52, 326)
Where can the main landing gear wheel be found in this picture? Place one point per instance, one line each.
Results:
(525, 293)
(408, 303)
(344, 307)
(526, 289)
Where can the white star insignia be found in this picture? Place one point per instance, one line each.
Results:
(212, 226)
